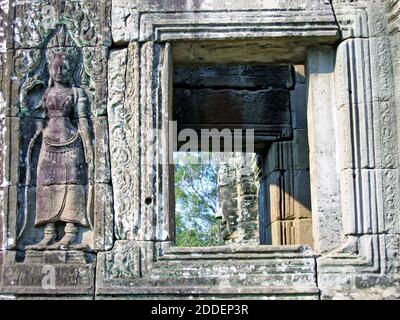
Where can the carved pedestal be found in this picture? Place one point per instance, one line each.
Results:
(48, 274)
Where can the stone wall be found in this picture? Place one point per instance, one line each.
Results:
(3, 20)
(123, 53)
(287, 180)
(36, 33)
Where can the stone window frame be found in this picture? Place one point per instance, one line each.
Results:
(348, 240)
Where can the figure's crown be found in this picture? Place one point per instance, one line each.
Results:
(62, 43)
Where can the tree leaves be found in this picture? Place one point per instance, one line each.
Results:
(196, 201)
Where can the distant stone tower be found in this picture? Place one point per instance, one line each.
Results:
(238, 199)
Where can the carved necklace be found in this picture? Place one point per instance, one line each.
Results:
(60, 91)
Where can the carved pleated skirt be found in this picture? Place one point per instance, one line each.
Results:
(61, 192)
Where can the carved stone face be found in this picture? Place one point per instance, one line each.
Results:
(60, 69)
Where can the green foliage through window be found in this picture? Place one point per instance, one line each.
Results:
(196, 203)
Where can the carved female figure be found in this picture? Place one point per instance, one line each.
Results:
(65, 165)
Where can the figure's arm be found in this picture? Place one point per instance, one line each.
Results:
(41, 106)
(84, 130)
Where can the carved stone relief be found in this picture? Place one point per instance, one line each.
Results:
(125, 21)
(87, 21)
(63, 151)
(123, 128)
(3, 25)
(65, 170)
(74, 135)
(238, 199)
(58, 198)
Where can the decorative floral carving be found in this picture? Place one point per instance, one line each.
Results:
(3, 24)
(393, 253)
(391, 200)
(121, 140)
(120, 263)
(87, 21)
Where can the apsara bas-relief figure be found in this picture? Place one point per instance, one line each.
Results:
(64, 183)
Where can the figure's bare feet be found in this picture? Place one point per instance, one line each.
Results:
(81, 247)
(48, 240)
(65, 243)
(69, 238)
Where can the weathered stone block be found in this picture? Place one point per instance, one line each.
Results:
(274, 184)
(395, 48)
(246, 233)
(298, 102)
(359, 213)
(2, 109)
(196, 271)
(169, 26)
(299, 153)
(122, 142)
(103, 218)
(202, 5)
(3, 25)
(361, 19)
(125, 21)
(275, 230)
(10, 215)
(265, 51)
(12, 157)
(288, 232)
(9, 85)
(102, 151)
(354, 270)
(1, 220)
(365, 100)
(220, 109)
(271, 159)
(299, 74)
(25, 273)
(250, 213)
(353, 81)
(325, 187)
(355, 52)
(382, 70)
(234, 77)
(95, 64)
(126, 263)
(303, 231)
(368, 211)
(292, 155)
(392, 246)
(393, 7)
(295, 194)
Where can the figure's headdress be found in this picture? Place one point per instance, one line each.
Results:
(61, 43)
